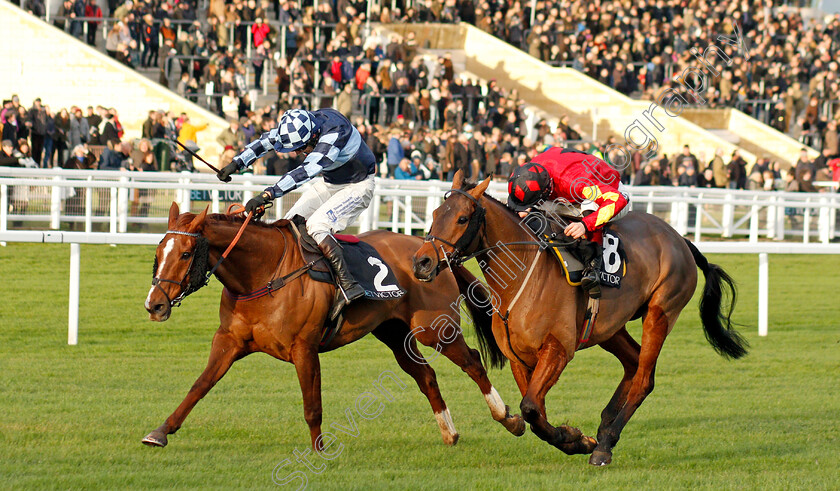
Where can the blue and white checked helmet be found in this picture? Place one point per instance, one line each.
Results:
(296, 128)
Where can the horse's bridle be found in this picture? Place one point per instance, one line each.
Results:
(454, 257)
(201, 247)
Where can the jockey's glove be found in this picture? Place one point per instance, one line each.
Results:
(258, 202)
(228, 170)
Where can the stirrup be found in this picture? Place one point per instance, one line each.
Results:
(591, 286)
(344, 298)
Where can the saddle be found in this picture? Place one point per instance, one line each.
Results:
(550, 232)
(364, 262)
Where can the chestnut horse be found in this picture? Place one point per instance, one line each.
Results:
(288, 323)
(541, 333)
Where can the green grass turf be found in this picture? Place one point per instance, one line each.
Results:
(73, 417)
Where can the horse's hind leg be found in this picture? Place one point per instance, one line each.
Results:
(224, 351)
(626, 349)
(470, 362)
(656, 327)
(551, 361)
(397, 336)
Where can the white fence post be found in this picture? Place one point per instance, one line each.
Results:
(184, 205)
(823, 223)
(112, 212)
(771, 218)
(407, 221)
(122, 206)
(73, 314)
(728, 216)
(374, 211)
(55, 205)
(763, 288)
(4, 210)
(806, 223)
(89, 207)
(754, 213)
(214, 204)
(395, 214)
(698, 219)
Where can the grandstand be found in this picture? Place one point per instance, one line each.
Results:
(429, 72)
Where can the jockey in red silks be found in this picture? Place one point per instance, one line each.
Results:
(559, 174)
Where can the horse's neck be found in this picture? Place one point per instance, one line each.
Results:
(507, 267)
(252, 261)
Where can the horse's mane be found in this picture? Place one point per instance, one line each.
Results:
(469, 185)
(186, 218)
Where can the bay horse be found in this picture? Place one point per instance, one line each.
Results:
(541, 333)
(288, 323)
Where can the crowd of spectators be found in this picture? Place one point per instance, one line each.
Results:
(639, 47)
(425, 121)
(635, 47)
(91, 138)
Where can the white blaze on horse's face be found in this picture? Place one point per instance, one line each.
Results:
(170, 244)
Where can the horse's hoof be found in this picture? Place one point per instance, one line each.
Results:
(155, 439)
(451, 439)
(600, 457)
(515, 424)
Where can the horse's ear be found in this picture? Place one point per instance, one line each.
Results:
(173, 215)
(458, 180)
(477, 191)
(198, 222)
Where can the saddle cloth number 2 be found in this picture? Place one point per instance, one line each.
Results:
(383, 272)
(612, 259)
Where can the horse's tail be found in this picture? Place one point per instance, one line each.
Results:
(717, 324)
(479, 303)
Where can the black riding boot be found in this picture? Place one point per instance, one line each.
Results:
(593, 259)
(350, 289)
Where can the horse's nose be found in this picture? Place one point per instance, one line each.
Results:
(422, 267)
(158, 308)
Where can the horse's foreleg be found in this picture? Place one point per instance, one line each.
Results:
(522, 376)
(655, 328)
(308, 367)
(224, 351)
(551, 361)
(470, 362)
(402, 343)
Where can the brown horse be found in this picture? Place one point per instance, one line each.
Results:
(288, 323)
(541, 333)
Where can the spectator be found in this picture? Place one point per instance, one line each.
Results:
(688, 176)
(92, 10)
(151, 43)
(719, 169)
(7, 154)
(395, 152)
(344, 101)
(38, 120)
(406, 170)
(232, 136)
(190, 131)
(76, 25)
(65, 10)
(111, 158)
(261, 55)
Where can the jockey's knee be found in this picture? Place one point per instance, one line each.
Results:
(319, 233)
